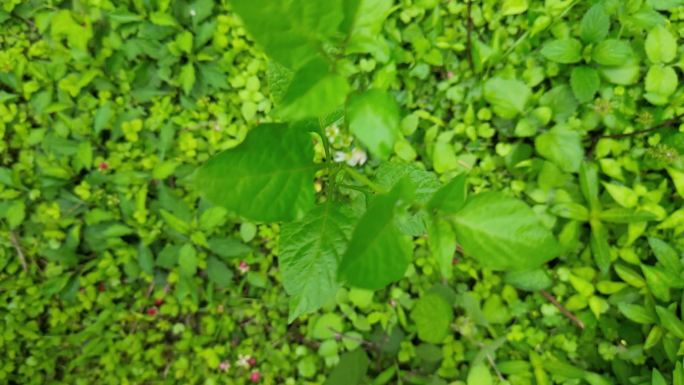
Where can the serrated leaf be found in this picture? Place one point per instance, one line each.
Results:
(612, 52)
(187, 78)
(585, 83)
(374, 119)
(530, 280)
(599, 245)
(503, 233)
(660, 45)
(267, 178)
(363, 23)
(310, 250)
(595, 24)
(432, 315)
(350, 370)
(187, 260)
(479, 374)
(314, 91)
(566, 51)
(425, 183)
(508, 97)
(378, 253)
(561, 146)
(661, 82)
(145, 259)
(219, 273)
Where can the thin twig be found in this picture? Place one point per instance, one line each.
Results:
(20, 252)
(562, 309)
(496, 369)
(668, 123)
(339, 336)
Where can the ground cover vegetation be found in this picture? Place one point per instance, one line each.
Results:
(341, 192)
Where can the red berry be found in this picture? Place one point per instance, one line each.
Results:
(455, 261)
(159, 301)
(255, 377)
(103, 166)
(152, 311)
(101, 287)
(251, 361)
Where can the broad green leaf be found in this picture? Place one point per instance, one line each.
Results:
(561, 146)
(561, 101)
(658, 282)
(571, 210)
(219, 273)
(530, 280)
(627, 74)
(351, 369)
(666, 254)
(145, 259)
(228, 247)
(425, 183)
(503, 233)
(313, 92)
(661, 45)
(661, 82)
(432, 315)
(595, 24)
(637, 313)
(514, 7)
(585, 83)
(310, 250)
(327, 326)
(363, 23)
(373, 117)
(378, 253)
(564, 51)
(479, 374)
(624, 215)
(451, 197)
(291, 32)
(678, 180)
(599, 245)
(269, 177)
(612, 52)
(508, 97)
(279, 79)
(442, 242)
(670, 322)
(624, 196)
(16, 213)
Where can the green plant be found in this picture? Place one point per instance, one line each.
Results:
(358, 231)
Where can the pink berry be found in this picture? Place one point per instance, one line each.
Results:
(159, 301)
(152, 311)
(251, 361)
(255, 377)
(103, 166)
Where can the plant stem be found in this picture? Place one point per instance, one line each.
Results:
(562, 309)
(359, 177)
(20, 252)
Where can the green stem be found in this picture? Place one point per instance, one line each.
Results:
(359, 177)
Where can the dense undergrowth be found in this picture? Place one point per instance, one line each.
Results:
(108, 107)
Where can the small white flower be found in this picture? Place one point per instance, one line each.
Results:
(358, 157)
(243, 361)
(193, 13)
(340, 157)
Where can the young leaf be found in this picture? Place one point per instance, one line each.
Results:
(314, 91)
(585, 83)
(661, 82)
(432, 315)
(187, 260)
(561, 146)
(637, 313)
(378, 253)
(530, 280)
(657, 378)
(564, 51)
(480, 375)
(350, 370)
(310, 250)
(514, 7)
(373, 118)
(451, 197)
(660, 46)
(595, 24)
(269, 177)
(612, 52)
(503, 233)
(291, 32)
(508, 97)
